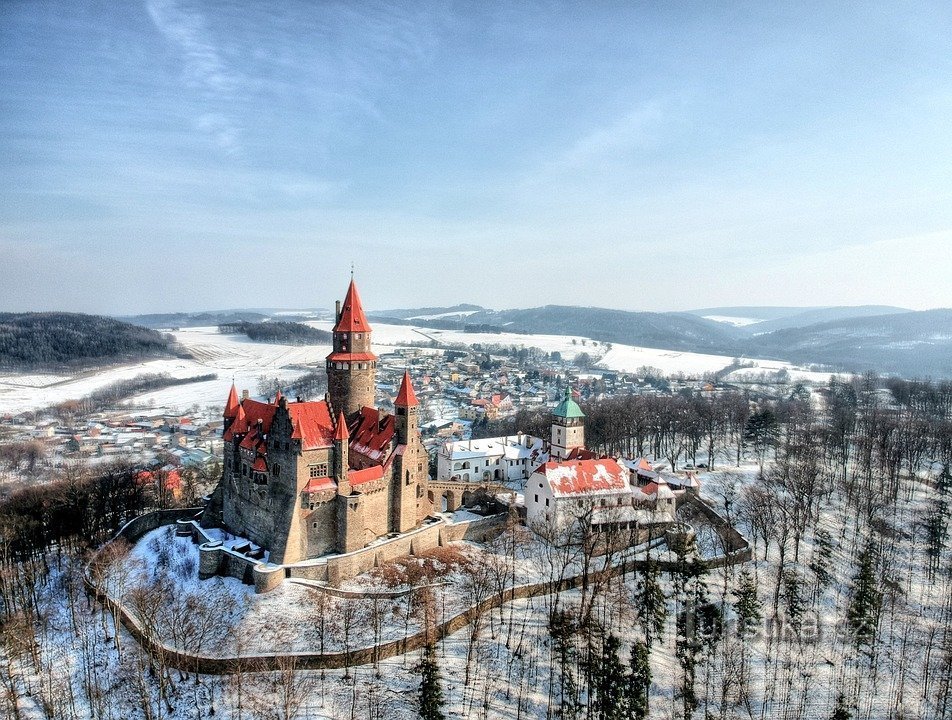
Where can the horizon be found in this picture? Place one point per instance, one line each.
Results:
(156, 155)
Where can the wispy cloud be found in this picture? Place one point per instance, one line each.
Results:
(203, 68)
(639, 129)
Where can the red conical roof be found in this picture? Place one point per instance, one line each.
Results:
(240, 424)
(352, 318)
(277, 398)
(232, 404)
(340, 432)
(406, 397)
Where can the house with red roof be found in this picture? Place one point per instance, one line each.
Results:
(303, 479)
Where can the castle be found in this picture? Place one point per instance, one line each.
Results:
(305, 479)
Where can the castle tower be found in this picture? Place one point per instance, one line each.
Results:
(351, 367)
(411, 467)
(568, 427)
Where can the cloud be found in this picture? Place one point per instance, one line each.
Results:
(639, 129)
(203, 68)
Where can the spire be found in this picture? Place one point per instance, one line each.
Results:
(406, 397)
(340, 432)
(240, 424)
(352, 318)
(232, 404)
(277, 398)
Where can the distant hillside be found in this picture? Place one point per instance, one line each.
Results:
(432, 313)
(822, 315)
(754, 312)
(284, 333)
(677, 331)
(73, 340)
(909, 343)
(197, 319)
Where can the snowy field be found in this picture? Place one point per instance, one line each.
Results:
(236, 357)
(228, 356)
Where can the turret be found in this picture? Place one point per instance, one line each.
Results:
(407, 409)
(341, 448)
(231, 406)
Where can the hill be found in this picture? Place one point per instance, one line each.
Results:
(909, 343)
(763, 319)
(284, 333)
(195, 319)
(74, 340)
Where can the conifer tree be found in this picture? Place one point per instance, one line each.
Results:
(654, 609)
(610, 701)
(748, 606)
(431, 695)
(794, 602)
(638, 681)
(822, 556)
(862, 616)
(841, 710)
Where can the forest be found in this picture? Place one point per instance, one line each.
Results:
(844, 610)
(72, 340)
(284, 333)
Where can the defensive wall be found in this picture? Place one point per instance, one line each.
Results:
(216, 559)
(220, 664)
(739, 551)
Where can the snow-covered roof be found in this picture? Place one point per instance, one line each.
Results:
(512, 447)
(585, 477)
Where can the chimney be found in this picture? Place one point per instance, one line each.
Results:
(337, 312)
(244, 395)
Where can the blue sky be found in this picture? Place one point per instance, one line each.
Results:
(171, 155)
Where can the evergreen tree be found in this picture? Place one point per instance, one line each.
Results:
(936, 534)
(748, 606)
(794, 601)
(609, 683)
(944, 481)
(654, 608)
(822, 557)
(862, 616)
(761, 431)
(638, 681)
(841, 711)
(431, 695)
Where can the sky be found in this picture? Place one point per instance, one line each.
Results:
(171, 156)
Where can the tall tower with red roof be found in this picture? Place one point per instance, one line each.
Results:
(410, 465)
(352, 366)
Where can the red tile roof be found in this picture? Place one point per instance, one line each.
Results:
(358, 477)
(581, 477)
(351, 357)
(406, 397)
(318, 484)
(311, 421)
(341, 432)
(370, 434)
(314, 421)
(232, 404)
(352, 318)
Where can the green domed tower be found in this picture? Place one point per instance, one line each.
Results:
(568, 427)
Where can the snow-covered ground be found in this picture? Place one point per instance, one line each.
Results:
(236, 357)
(228, 356)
